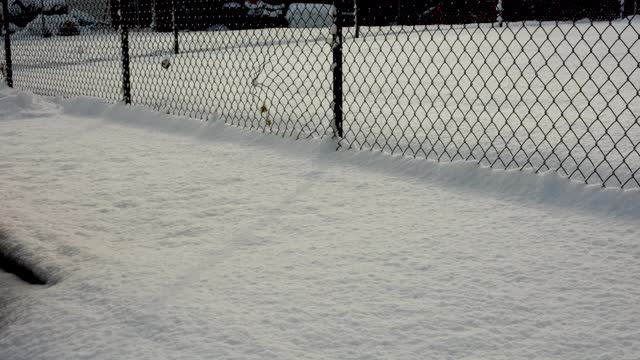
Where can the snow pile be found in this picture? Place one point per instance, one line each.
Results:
(167, 237)
(233, 5)
(22, 105)
(66, 24)
(548, 188)
(274, 11)
(309, 15)
(258, 8)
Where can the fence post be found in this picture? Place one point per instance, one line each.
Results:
(176, 45)
(631, 8)
(124, 38)
(7, 43)
(336, 33)
(355, 18)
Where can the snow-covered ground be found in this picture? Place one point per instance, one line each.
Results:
(169, 238)
(540, 95)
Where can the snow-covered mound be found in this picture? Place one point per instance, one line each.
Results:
(309, 15)
(20, 105)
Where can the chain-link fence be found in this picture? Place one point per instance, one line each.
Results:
(511, 84)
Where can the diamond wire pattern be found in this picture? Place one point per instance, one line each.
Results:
(275, 79)
(66, 52)
(561, 96)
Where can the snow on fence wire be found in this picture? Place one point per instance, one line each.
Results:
(558, 94)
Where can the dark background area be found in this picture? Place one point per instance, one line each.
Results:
(201, 14)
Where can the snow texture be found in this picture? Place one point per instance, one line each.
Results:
(169, 238)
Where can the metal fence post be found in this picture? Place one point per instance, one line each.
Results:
(336, 32)
(7, 43)
(355, 18)
(176, 45)
(124, 38)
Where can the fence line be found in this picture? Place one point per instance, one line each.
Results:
(545, 95)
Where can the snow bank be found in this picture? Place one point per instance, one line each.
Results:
(548, 187)
(524, 185)
(309, 15)
(21, 105)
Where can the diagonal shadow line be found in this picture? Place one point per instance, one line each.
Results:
(12, 265)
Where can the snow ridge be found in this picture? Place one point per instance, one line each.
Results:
(549, 187)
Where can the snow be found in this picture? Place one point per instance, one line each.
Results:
(539, 95)
(19, 105)
(54, 24)
(232, 5)
(258, 8)
(165, 237)
(309, 15)
(17, 7)
(544, 96)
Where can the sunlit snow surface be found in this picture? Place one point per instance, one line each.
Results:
(170, 238)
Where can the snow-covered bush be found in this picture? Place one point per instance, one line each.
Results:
(83, 18)
(260, 8)
(254, 8)
(67, 24)
(233, 6)
(273, 10)
(21, 7)
(309, 15)
(24, 11)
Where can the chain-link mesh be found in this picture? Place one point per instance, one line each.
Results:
(241, 70)
(540, 84)
(561, 95)
(272, 79)
(252, 64)
(60, 49)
